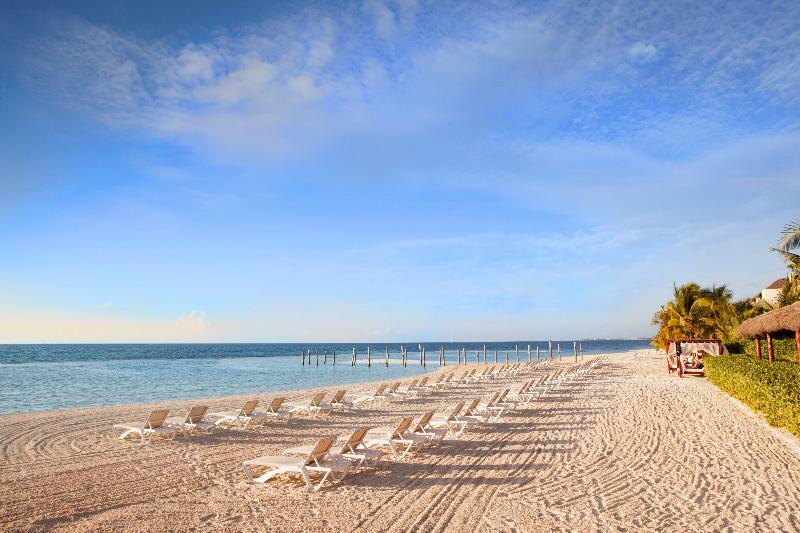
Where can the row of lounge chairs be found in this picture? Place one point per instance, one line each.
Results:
(198, 417)
(363, 447)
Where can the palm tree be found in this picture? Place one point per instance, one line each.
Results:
(790, 237)
(692, 313)
(788, 241)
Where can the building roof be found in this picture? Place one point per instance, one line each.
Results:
(777, 284)
(785, 318)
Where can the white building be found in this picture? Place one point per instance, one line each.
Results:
(771, 293)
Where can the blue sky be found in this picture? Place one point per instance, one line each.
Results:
(387, 170)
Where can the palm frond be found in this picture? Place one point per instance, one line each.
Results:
(790, 237)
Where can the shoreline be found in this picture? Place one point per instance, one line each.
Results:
(433, 370)
(626, 446)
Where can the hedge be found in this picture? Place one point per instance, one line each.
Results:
(785, 349)
(769, 388)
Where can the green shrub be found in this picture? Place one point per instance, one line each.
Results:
(785, 349)
(769, 388)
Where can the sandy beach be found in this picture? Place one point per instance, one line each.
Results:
(626, 447)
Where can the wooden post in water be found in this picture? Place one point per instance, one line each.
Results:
(477, 356)
(758, 347)
(575, 349)
(387, 356)
(484, 354)
(495, 355)
(537, 352)
(506, 357)
(303, 358)
(369, 355)
(334, 357)
(770, 348)
(325, 358)
(516, 349)
(550, 344)
(558, 346)
(316, 352)
(353, 362)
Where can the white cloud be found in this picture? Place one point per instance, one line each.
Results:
(643, 51)
(192, 323)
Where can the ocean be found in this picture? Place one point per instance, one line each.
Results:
(45, 377)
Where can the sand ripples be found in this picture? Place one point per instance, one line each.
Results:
(625, 447)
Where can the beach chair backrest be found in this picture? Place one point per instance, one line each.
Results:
(196, 414)
(472, 406)
(413, 383)
(249, 407)
(424, 421)
(503, 395)
(493, 398)
(338, 397)
(156, 418)
(317, 399)
(394, 386)
(423, 381)
(381, 388)
(275, 404)
(355, 440)
(402, 427)
(457, 409)
(319, 451)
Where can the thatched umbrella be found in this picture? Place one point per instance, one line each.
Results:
(785, 318)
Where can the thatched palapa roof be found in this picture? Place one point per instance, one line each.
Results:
(784, 318)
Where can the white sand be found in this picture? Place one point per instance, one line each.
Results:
(629, 447)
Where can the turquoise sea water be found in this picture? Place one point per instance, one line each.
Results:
(59, 376)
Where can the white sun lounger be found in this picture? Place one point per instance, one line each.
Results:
(395, 438)
(353, 449)
(338, 401)
(276, 409)
(154, 424)
(195, 420)
(242, 418)
(425, 429)
(313, 408)
(318, 461)
(375, 398)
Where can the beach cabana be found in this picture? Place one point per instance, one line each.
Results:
(685, 356)
(766, 325)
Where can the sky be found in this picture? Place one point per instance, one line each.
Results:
(387, 170)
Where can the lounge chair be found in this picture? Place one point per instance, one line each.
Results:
(154, 424)
(375, 398)
(276, 409)
(313, 408)
(353, 449)
(451, 419)
(242, 418)
(195, 420)
(318, 461)
(338, 401)
(426, 429)
(405, 391)
(395, 438)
